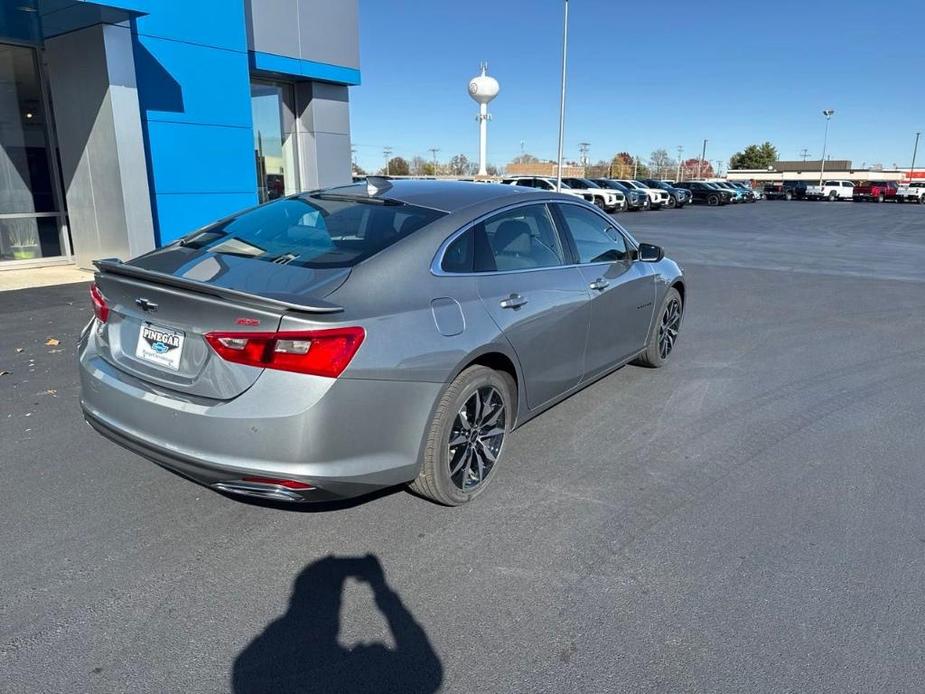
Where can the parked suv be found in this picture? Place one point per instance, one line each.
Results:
(878, 191)
(677, 197)
(706, 194)
(584, 186)
(604, 199)
(635, 199)
(657, 197)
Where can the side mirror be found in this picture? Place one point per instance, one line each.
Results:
(649, 253)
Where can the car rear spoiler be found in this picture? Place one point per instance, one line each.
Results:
(288, 302)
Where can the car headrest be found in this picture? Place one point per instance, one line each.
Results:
(411, 223)
(513, 236)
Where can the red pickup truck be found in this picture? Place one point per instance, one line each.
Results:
(876, 190)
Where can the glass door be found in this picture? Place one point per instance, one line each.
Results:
(274, 139)
(32, 217)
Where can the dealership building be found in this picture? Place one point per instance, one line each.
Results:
(125, 124)
(810, 171)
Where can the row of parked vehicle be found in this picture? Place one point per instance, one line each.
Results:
(619, 195)
(872, 191)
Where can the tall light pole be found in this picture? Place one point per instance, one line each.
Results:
(719, 167)
(828, 113)
(635, 167)
(703, 156)
(433, 151)
(915, 151)
(680, 149)
(387, 153)
(562, 99)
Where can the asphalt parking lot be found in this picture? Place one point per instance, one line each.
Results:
(747, 519)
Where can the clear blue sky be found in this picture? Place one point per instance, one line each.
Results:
(734, 72)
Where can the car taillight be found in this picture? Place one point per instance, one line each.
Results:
(315, 352)
(100, 307)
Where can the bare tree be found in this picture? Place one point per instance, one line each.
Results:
(661, 163)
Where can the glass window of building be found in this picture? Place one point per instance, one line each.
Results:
(274, 139)
(32, 221)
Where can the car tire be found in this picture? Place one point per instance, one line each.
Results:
(436, 480)
(880, 198)
(713, 200)
(668, 319)
(672, 202)
(922, 200)
(788, 196)
(833, 196)
(599, 204)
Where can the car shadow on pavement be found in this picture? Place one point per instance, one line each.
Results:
(299, 652)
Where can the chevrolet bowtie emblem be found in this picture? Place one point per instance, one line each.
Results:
(146, 305)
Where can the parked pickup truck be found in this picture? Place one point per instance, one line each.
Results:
(876, 190)
(831, 191)
(911, 192)
(785, 190)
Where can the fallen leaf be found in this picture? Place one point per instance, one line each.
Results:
(19, 349)
(52, 342)
(52, 392)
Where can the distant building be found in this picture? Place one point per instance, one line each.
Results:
(841, 169)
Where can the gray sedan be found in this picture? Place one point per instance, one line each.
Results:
(336, 342)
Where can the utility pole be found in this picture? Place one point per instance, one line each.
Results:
(353, 156)
(719, 167)
(828, 113)
(387, 152)
(703, 155)
(915, 151)
(680, 150)
(433, 151)
(583, 148)
(635, 167)
(804, 154)
(562, 99)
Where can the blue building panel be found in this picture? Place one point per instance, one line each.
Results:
(188, 158)
(179, 214)
(189, 83)
(216, 23)
(303, 69)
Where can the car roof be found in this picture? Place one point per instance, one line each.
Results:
(446, 196)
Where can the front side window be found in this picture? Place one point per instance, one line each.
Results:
(595, 239)
(524, 238)
(321, 230)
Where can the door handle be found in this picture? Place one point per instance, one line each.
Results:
(599, 285)
(513, 301)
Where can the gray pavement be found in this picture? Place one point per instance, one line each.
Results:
(748, 519)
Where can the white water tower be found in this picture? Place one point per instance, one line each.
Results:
(483, 89)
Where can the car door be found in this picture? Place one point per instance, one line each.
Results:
(540, 303)
(623, 290)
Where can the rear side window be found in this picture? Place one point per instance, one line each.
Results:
(520, 239)
(315, 231)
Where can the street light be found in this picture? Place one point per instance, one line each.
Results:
(828, 113)
(562, 99)
(915, 151)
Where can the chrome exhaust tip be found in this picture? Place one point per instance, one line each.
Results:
(261, 490)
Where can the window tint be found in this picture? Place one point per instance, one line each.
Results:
(596, 240)
(520, 239)
(314, 231)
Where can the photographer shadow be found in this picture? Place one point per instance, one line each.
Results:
(299, 652)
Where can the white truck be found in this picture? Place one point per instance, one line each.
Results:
(911, 192)
(831, 191)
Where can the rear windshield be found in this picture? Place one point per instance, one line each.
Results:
(315, 231)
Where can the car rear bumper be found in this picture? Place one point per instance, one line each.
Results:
(344, 437)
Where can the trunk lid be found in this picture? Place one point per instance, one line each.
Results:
(164, 303)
